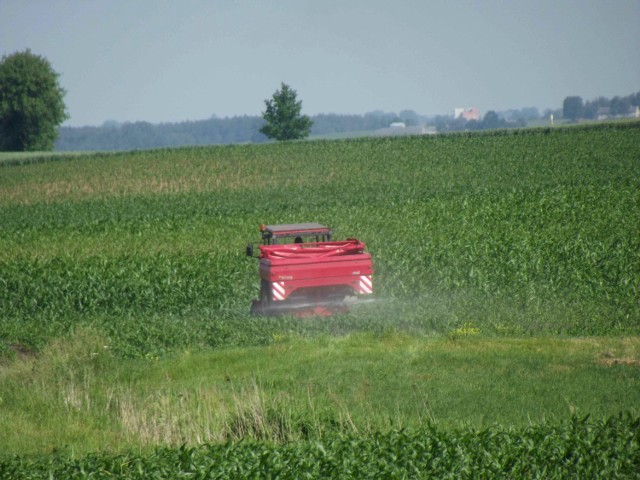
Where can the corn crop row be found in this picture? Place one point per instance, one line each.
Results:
(581, 448)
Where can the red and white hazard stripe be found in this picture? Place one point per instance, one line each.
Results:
(277, 291)
(365, 285)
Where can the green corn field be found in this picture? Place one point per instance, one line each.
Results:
(522, 233)
(498, 235)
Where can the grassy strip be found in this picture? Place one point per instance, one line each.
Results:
(77, 397)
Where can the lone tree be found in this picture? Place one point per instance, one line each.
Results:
(31, 103)
(572, 108)
(491, 120)
(283, 118)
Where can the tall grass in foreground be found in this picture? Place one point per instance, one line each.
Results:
(77, 396)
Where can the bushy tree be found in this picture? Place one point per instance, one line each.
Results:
(492, 121)
(31, 103)
(620, 106)
(410, 118)
(572, 108)
(284, 121)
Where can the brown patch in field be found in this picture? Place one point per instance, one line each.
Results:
(608, 359)
(22, 351)
(123, 184)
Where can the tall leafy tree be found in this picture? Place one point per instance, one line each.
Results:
(282, 114)
(492, 121)
(620, 106)
(572, 108)
(31, 103)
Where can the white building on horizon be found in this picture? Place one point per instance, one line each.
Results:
(471, 113)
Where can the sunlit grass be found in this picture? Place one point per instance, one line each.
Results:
(76, 394)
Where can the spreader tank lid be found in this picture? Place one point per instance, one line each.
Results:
(295, 227)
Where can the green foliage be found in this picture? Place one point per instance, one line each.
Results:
(526, 232)
(77, 393)
(572, 108)
(31, 103)
(282, 114)
(140, 255)
(581, 448)
(212, 131)
(616, 105)
(492, 121)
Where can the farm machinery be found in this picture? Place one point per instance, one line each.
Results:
(303, 272)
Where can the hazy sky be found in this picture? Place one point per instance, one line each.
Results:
(166, 61)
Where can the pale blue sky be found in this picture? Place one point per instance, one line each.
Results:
(166, 61)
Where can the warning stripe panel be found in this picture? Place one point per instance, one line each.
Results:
(277, 291)
(365, 285)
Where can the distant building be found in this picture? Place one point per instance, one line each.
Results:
(400, 129)
(605, 113)
(467, 113)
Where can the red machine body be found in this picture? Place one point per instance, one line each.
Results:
(311, 278)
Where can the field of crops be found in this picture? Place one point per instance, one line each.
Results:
(507, 234)
(577, 449)
(515, 234)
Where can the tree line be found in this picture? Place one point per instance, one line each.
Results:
(574, 108)
(491, 120)
(213, 131)
(32, 109)
(247, 129)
